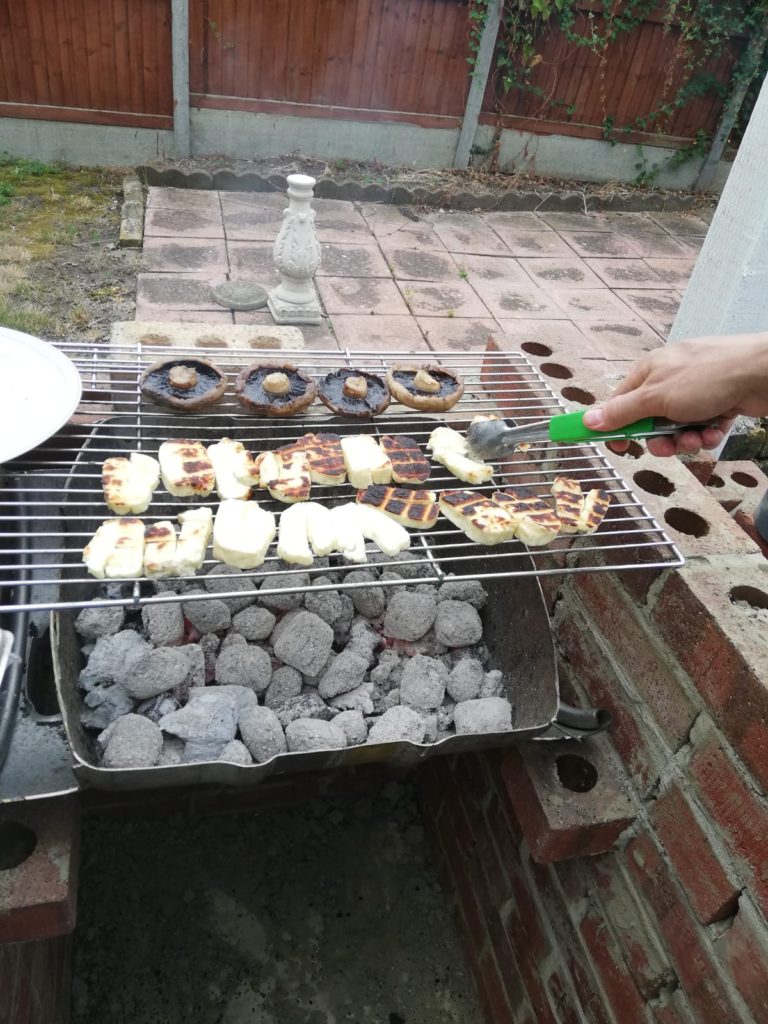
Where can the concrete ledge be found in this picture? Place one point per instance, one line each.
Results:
(205, 336)
(132, 213)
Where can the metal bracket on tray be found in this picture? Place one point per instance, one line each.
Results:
(577, 723)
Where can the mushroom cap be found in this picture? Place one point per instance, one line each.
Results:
(400, 380)
(250, 391)
(209, 387)
(332, 394)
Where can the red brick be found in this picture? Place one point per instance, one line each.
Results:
(713, 897)
(620, 990)
(674, 1010)
(742, 818)
(702, 465)
(498, 1010)
(507, 962)
(606, 690)
(647, 963)
(688, 946)
(632, 640)
(528, 943)
(743, 948)
(473, 919)
(724, 651)
(746, 521)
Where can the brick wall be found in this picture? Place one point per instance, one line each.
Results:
(35, 981)
(669, 924)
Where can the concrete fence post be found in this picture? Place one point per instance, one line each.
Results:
(478, 84)
(180, 65)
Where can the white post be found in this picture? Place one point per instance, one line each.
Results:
(478, 84)
(180, 64)
(728, 290)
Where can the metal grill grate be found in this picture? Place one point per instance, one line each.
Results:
(51, 502)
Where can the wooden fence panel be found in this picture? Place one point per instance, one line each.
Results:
(93, 61)
(578, 91)
(382, 55)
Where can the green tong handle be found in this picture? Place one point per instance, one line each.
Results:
(570, 427)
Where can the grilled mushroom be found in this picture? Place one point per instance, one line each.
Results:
(430, 388)
(271, 390)
(185, 384)
(356, 394)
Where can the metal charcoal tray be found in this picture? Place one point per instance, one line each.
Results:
(114, 418)
(516, 631)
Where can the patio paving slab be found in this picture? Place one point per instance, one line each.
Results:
(514, 221)
(458, 334)
(541, 338)
(651, 305)
(409, 230)
(555, 273)
(253, 260)
(507, 300)
(621, 339)
(338, 221)
(176, 292)
(650, 243)
(318, 337)
(681, 223)
(352, 261)
(147, 311)
(187, 222)
(192, 255)
(400, 333)
(467, 233)
(451, 300)
(628, 223)
(419, 264)
(599, 243)
(361, 295)
(534, 243)
(575, 221)
(625, 273)
(183, 199)
(674, 273)
(590, 304)
(492, 268)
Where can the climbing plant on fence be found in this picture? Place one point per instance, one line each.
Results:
(701, 29)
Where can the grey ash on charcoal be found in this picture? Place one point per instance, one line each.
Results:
(243, 680)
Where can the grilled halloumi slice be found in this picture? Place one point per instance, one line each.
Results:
(160, 550)
(325, 458)
(285, 474)
(247, 468)
(350, 541)
(409, 465)
(596, 505)
(320, 529)
(417, 509)
(186, 469)
(451, 449)
(129, 484)
(242, 533)
(293, 539)
(478, 516)
(536, 522)
(196, 529)
(116, 550)
(569, 502)
(228, 459)
(365, 461)
(388, 536)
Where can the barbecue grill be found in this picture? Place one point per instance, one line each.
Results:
(51, 503)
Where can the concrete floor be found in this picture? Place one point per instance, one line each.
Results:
(322, 913)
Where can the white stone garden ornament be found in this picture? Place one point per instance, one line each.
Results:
(297, 257)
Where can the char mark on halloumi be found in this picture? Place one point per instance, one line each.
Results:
(409, 464)
(186, 469)
(536, 522)
(417, 509)
(129, 483)
(478, 516)
(569, 502)
(596, 504)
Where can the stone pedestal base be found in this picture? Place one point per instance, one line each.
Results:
(285, 312)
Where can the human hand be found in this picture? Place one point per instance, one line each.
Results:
(705, 379)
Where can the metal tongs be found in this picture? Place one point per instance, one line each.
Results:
(489, 438)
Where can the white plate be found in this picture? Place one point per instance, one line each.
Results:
(39, 390)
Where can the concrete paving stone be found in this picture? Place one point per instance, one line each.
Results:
(400, 333)
(145, 311)
(515, 221)
(661, 327)
(599, 243)
(589, 303)
(317, 338)
(675, 273)
(337, 220)
(510, 300)
(554, 272)
(456, 299)
(353, 261)
(245, 222)
(651, 305)
(253, 260)
(200, 200)
(621, 339)
(360, 295)
(693, 242)
(628, 223)
(575, 221)
(457, 334)
(176, 291)
(492, 268)
(467, 233)
(533, 243)
(275, 201)
(540, 338)
(617, 273)
(420, 264)
(183, 223)
(401, 224)
(681, 223)
(658, 244)
(193, 255)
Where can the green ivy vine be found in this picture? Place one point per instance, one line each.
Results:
(704, 28)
